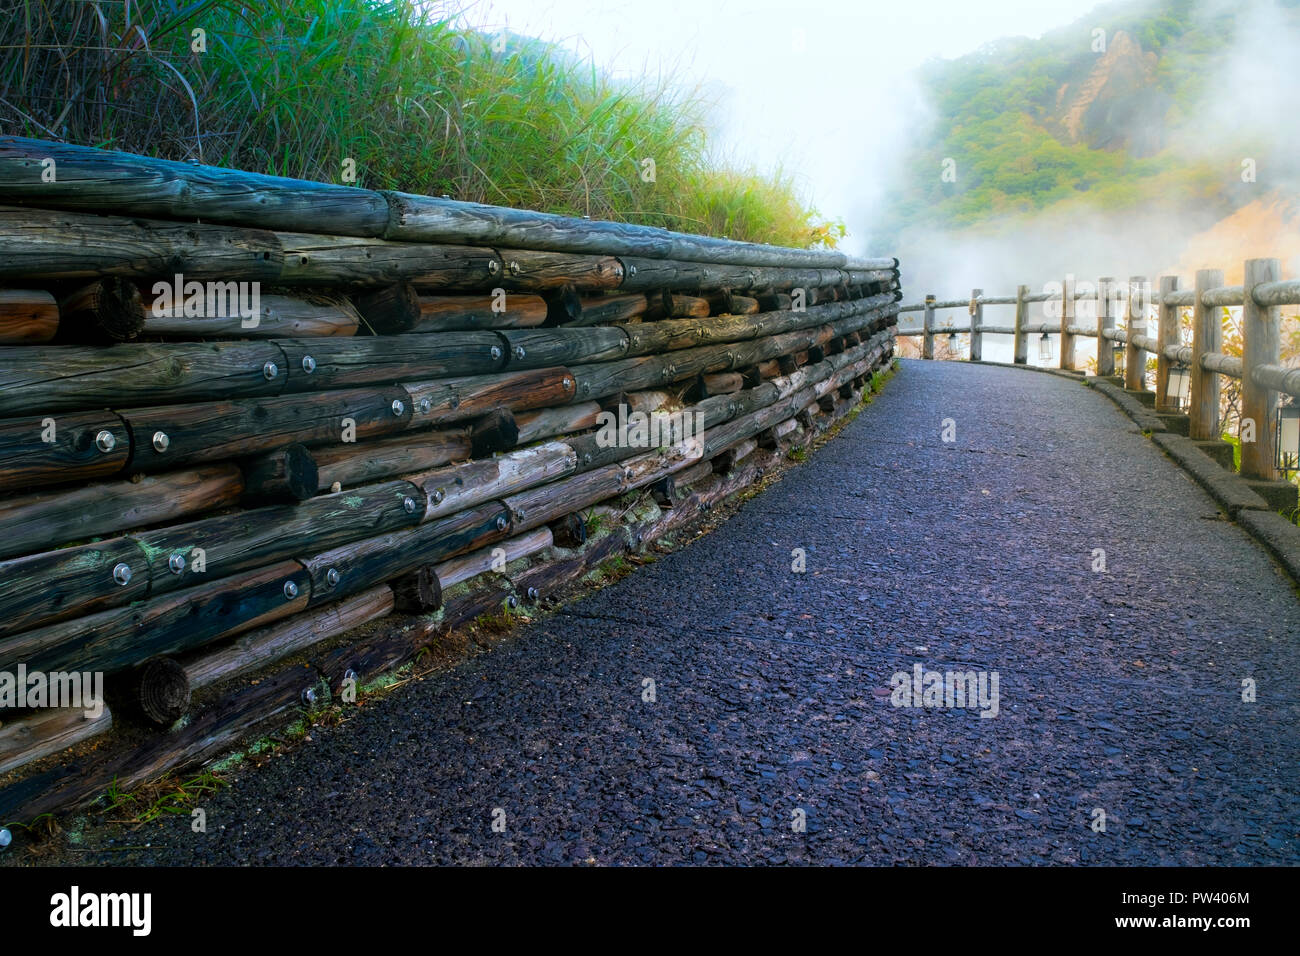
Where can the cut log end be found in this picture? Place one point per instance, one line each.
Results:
(494, 432)
(417, 592)
(106, 310)
(390, 310)
(569, 531)
(162, 691)
(286, 474)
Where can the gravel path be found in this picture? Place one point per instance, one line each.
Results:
(1118, 690)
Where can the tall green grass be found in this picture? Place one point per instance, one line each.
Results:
(420, 101)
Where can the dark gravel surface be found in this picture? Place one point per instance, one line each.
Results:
(1117, 690)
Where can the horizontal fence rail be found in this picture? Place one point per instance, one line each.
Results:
(1263, 376)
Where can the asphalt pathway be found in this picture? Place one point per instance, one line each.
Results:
(773, 735)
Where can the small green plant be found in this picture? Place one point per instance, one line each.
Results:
(162, 798)
(797, 454)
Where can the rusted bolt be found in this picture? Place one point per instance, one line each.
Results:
(308, 364)
(332, 577)
(122, 573)
(290, 590)
(399, 407)
(105, 441)
(269, 371)
(160, 442)
(176, 563)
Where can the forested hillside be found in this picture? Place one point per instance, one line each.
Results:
(1110, 111)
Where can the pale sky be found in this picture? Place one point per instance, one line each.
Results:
(820, 86)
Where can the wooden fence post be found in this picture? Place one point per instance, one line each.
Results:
(927, 341)
(1207, 336)
(1135, 362)
(1167, 335)
(976, 323)
(1260, 329)
(1021, 340)
(1067, 320)
(1105, 321)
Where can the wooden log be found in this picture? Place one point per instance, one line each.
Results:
(1167, 333)
(1207, 336)
(27, 316)
(693, 475)
(457, 487)
(664, 492)
(418, 592)
(173, 435)
(287, 474)
(259, 649)
(494, 432)
(251, 539)
(371, 360)
(425, 219)
(774, 301)
(40, 522)
(57, 585)
(279, 316)
(927, 341)
(50, 246)
(115, 640)
(461, 569)
(686, 306)
(723, 383)
(1135, 372)
(38, 451)
(976, 323)
(544, 348)
(459, 399)
(548, 422)
(46, 379)
(610, 309)
(1105, 322)
(347, 465)
(101, 311)
(353, 262)
(359, 565)
(1067, 323)
(98, 180)
(390, 309)
(729, 459)
(46, 732)
(534, 270)
(160, 690)
(1261, 345)
(447, 313)
(740, 305)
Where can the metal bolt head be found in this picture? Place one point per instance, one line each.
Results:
(519, 513)
(437, 496)
(350, 674)
(308, 364)
(493, 267)
(495, 352)
(586, 388)
(631, 270)
(519, 352)
(586, 458)
(5, 838)
(409, 504)
(515, 268)
(160, 442)
(455, 402)
(290, 590)
(269, 371)
(424, 406)
(567, 383)
(332, 577)
(502, 522)
(176, 563)
(105, 441)
(636, 540)
(534, 594)
(309, 696)
(399, 407)
(122, 573)
(512, 602)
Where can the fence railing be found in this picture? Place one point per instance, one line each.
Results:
(1263, 376)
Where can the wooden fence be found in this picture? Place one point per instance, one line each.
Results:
(416, 418)
(1263, 377)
